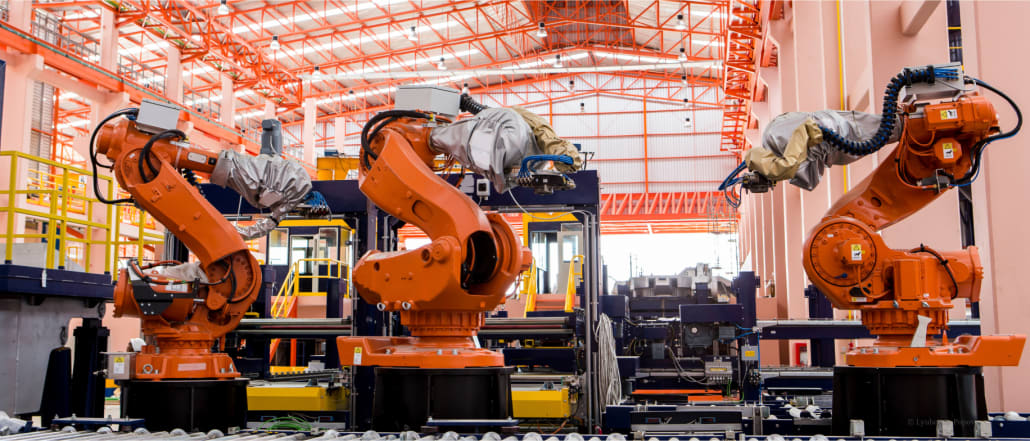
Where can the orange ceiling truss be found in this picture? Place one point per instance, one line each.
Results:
(341, 37)
(92, 75)
(677, 212)
(212, 40)
(744, 41)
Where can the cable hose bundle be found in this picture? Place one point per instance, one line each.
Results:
(610, 381)
(980, 146)
(467, 104)
(890, 111)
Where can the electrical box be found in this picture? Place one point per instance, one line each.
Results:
(435, 99)
(718, 370)
(857, 428)
(749, 353)
(120, 365)
(155, 117)
(483, 187)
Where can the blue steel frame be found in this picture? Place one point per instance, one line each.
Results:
(373, 226)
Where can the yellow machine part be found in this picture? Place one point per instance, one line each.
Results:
(334, 168)
(541, 403)
(306, 398)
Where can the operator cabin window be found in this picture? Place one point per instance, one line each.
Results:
(278, 249)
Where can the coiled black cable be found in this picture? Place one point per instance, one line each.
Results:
(890, 111)
(375, 124)
(132, 112)
(467, 104)
(191, 177)
(980, 146)
(145, 154)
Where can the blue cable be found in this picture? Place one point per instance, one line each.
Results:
(526, 167)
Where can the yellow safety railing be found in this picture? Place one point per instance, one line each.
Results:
(529, 288)
(575, 272)
(285, 299)
(41, 180)
(59, 199)
(285, 302)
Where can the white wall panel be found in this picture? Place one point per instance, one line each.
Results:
(621, 147)
(707, 169)
(623, 188)
(692, 145)
(619, 171)
(658, 187)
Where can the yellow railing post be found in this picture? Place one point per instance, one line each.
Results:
(531, 289)
(570, 288)
(11, 203)
(63, 249)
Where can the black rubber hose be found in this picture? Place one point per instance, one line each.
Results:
(93, 155)
(366, 136)
(980, 146)
(145, 154)
(467, 104)
(889, 114)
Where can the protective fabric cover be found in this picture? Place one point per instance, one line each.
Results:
(780, 168)
(857, 126)
(491, 143)
(275, 184)
(187, 272)
(550, 143)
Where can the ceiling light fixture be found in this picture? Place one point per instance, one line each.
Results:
(465, 89)
(441, 65)
(686, 102)
(541, 30)
(687, 124)
(275, 43)
(572, 86)
(582, 107)
(317, 73)
(684, 79)
(683, 54)
(412, 34)
(557, 61)
(680, 24)
(223, 9)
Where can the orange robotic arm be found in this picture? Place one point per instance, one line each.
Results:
(442, 289)
(905, 295)
(181, 320)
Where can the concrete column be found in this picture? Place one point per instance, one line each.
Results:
(18, 86)
(173, 74)
(17, 126)
(308, 135)
(108, 40)
(339, 133)
(227, 106)
(269, 110)
(999, 195)
(19, 14)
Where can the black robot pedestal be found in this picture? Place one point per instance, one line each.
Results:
(190, 405)
(908, 401)
(405, 398)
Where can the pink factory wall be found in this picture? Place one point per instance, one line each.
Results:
(822, 58)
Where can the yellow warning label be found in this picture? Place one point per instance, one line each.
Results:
(949, 151)
(119, 359)
(949, 114)
(749, 353)
(856, 252)
(357, 355)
